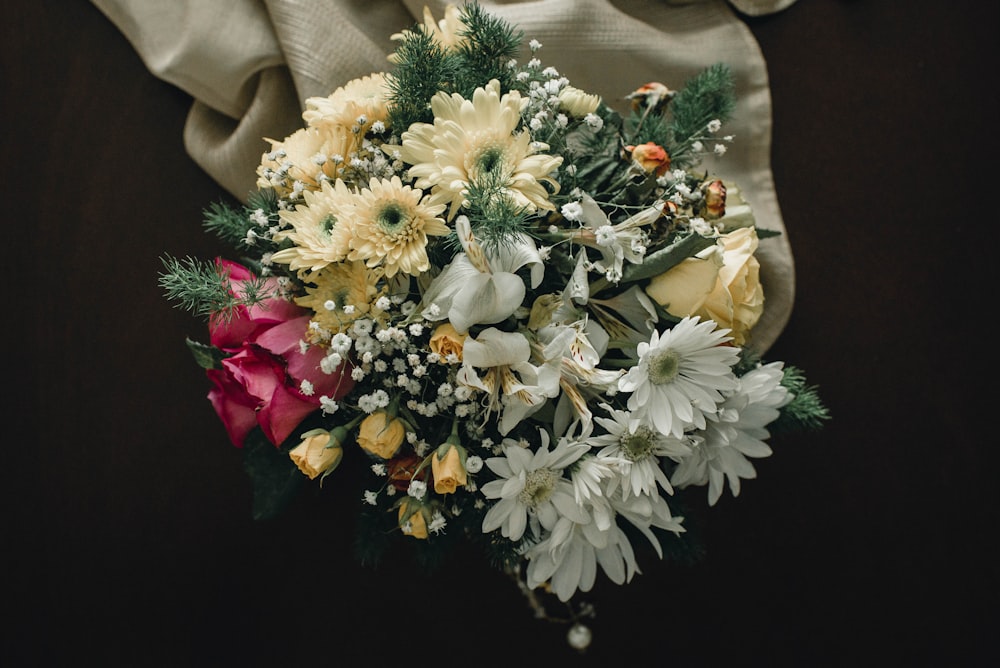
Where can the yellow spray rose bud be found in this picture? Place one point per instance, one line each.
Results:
(448, 468)
(411, 518)
(653, 158)
(320, 451)
(381, 434)
(446, 340)
(736, 297)
(578, 103)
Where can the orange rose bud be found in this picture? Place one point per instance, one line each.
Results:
(651, 157)
(715, 200)
(651, 95)
(401, 470)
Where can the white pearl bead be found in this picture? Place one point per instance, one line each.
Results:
(579, 636)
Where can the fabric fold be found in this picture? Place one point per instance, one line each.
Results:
(249, 65)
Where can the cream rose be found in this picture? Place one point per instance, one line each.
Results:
(721, 283)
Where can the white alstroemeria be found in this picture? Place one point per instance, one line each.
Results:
(531, 486)
(511, 382)
(735, 434)
(569, 347)
(628, 318)
(617, 243)
(480, 287)
(633, 451)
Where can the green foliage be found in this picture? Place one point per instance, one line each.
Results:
(274, 476)
(203, 289)
(806, 410)
(707, 96)
(207, 357)
(494, 216)
(490, 43)
(377, 531)
(234, 224)
(660, 261)
(424, 68)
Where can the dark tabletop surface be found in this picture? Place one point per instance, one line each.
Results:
(129, 539)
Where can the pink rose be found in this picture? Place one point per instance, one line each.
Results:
(247, 322)
(261, 381)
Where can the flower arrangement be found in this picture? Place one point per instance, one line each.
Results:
(526, 317)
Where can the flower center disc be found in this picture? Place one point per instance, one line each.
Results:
(663, 367)
(489, 160)
(538, 487)
(392, 219)
(637, 446)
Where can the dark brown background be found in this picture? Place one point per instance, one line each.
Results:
(129, 535)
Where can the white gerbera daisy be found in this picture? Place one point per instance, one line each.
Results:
(531, 484)
(633, 451)
(474, 141)
(681, 375)
(735, 434)
(569, 555)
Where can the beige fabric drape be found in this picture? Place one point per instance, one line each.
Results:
(250, 64)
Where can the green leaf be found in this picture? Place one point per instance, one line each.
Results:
(660, 261)
(275, 477)
(207, 357)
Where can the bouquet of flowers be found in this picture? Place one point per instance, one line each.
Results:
(526, 315)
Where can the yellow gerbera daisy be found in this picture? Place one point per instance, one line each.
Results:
(319, 230)
(474, 141)
(390, 225)
(342, 293)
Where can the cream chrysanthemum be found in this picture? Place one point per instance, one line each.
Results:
(342, 293)
(305, 156)
(681, 375)
(447, 32)
(362, 98)
(319, 230)
(474, 141)
(390, 225)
